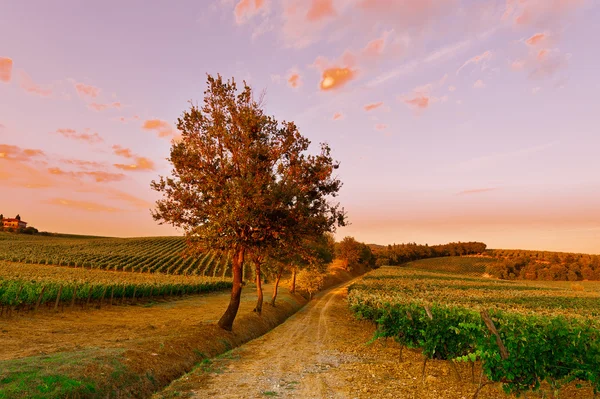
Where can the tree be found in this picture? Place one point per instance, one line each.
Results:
(18, 217)
(311, 281)
(243, 182)
(348, 250)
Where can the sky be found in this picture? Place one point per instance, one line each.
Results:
(453, 120)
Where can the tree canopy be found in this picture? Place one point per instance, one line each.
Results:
(242, 181)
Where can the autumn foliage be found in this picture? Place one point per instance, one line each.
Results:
(242, 182)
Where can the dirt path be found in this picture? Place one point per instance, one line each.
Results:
(322, 352)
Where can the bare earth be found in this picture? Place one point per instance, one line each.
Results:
(322, 352)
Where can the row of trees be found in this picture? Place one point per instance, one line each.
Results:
(397, 254)
(20, 230)
(528, 268)
(244, 183)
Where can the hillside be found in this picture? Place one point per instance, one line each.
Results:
(142, 254)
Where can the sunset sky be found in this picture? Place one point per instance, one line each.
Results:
(452, 120)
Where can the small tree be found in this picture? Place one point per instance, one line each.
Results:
(310, 280)
(242, 182)
(349, 251)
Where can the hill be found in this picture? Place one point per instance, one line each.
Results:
(141, 254)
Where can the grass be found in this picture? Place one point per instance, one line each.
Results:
(60, 375)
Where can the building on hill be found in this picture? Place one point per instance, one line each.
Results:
(15, 223)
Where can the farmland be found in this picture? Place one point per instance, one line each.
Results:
(446, 315)
(25, 286)
(145, 254)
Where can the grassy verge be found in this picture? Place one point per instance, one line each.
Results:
(137, 369)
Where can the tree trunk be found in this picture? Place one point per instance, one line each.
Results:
(276, 286)
(259, 291)
(226, 321)
(293, 286)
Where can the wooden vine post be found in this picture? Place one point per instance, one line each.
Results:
(489, 323)
(430, 315)
(39, 300)
(102, 298)
(74, 296)
(58, 297)
(87, 303)
(492, 328)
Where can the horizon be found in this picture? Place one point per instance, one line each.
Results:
(453, 120)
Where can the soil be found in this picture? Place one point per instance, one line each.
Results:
(323, 352)
(142, 347)
(30, 334)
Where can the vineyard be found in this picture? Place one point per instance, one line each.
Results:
(476, 266)
(146, 255)
(29, 287)
(523, 334)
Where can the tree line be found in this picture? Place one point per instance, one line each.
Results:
(397, 254)
(544, 265)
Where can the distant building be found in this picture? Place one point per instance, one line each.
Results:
(15, 223)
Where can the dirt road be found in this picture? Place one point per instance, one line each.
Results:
(322, 352)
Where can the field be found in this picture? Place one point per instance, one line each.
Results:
(25, 286)
(145, 254)
(466, 265)
(447, 316)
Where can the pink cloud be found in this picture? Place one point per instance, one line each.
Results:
(139, 164)
(536, 39)
(97, 176)
(334, 78)
(163, 128)
(517, 65)
(101, 107)
(246, 9)
(83, 164)
(372, 106)
(419, 101)
(320, 9)
(406, 14)
(375, 47)
(125, 119)
(6, 65)
(82, 205)
(542, 63)
(87, 90)
(72, 134)
(548, 63)
(16, 153)
(421, 97)
(294, 80)
(539, 12)
(122, 152)
(451, 88)
(476, 60)
(479, 84)
(338, 116)
(542, 54)
(381, 126)
(31, 87)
